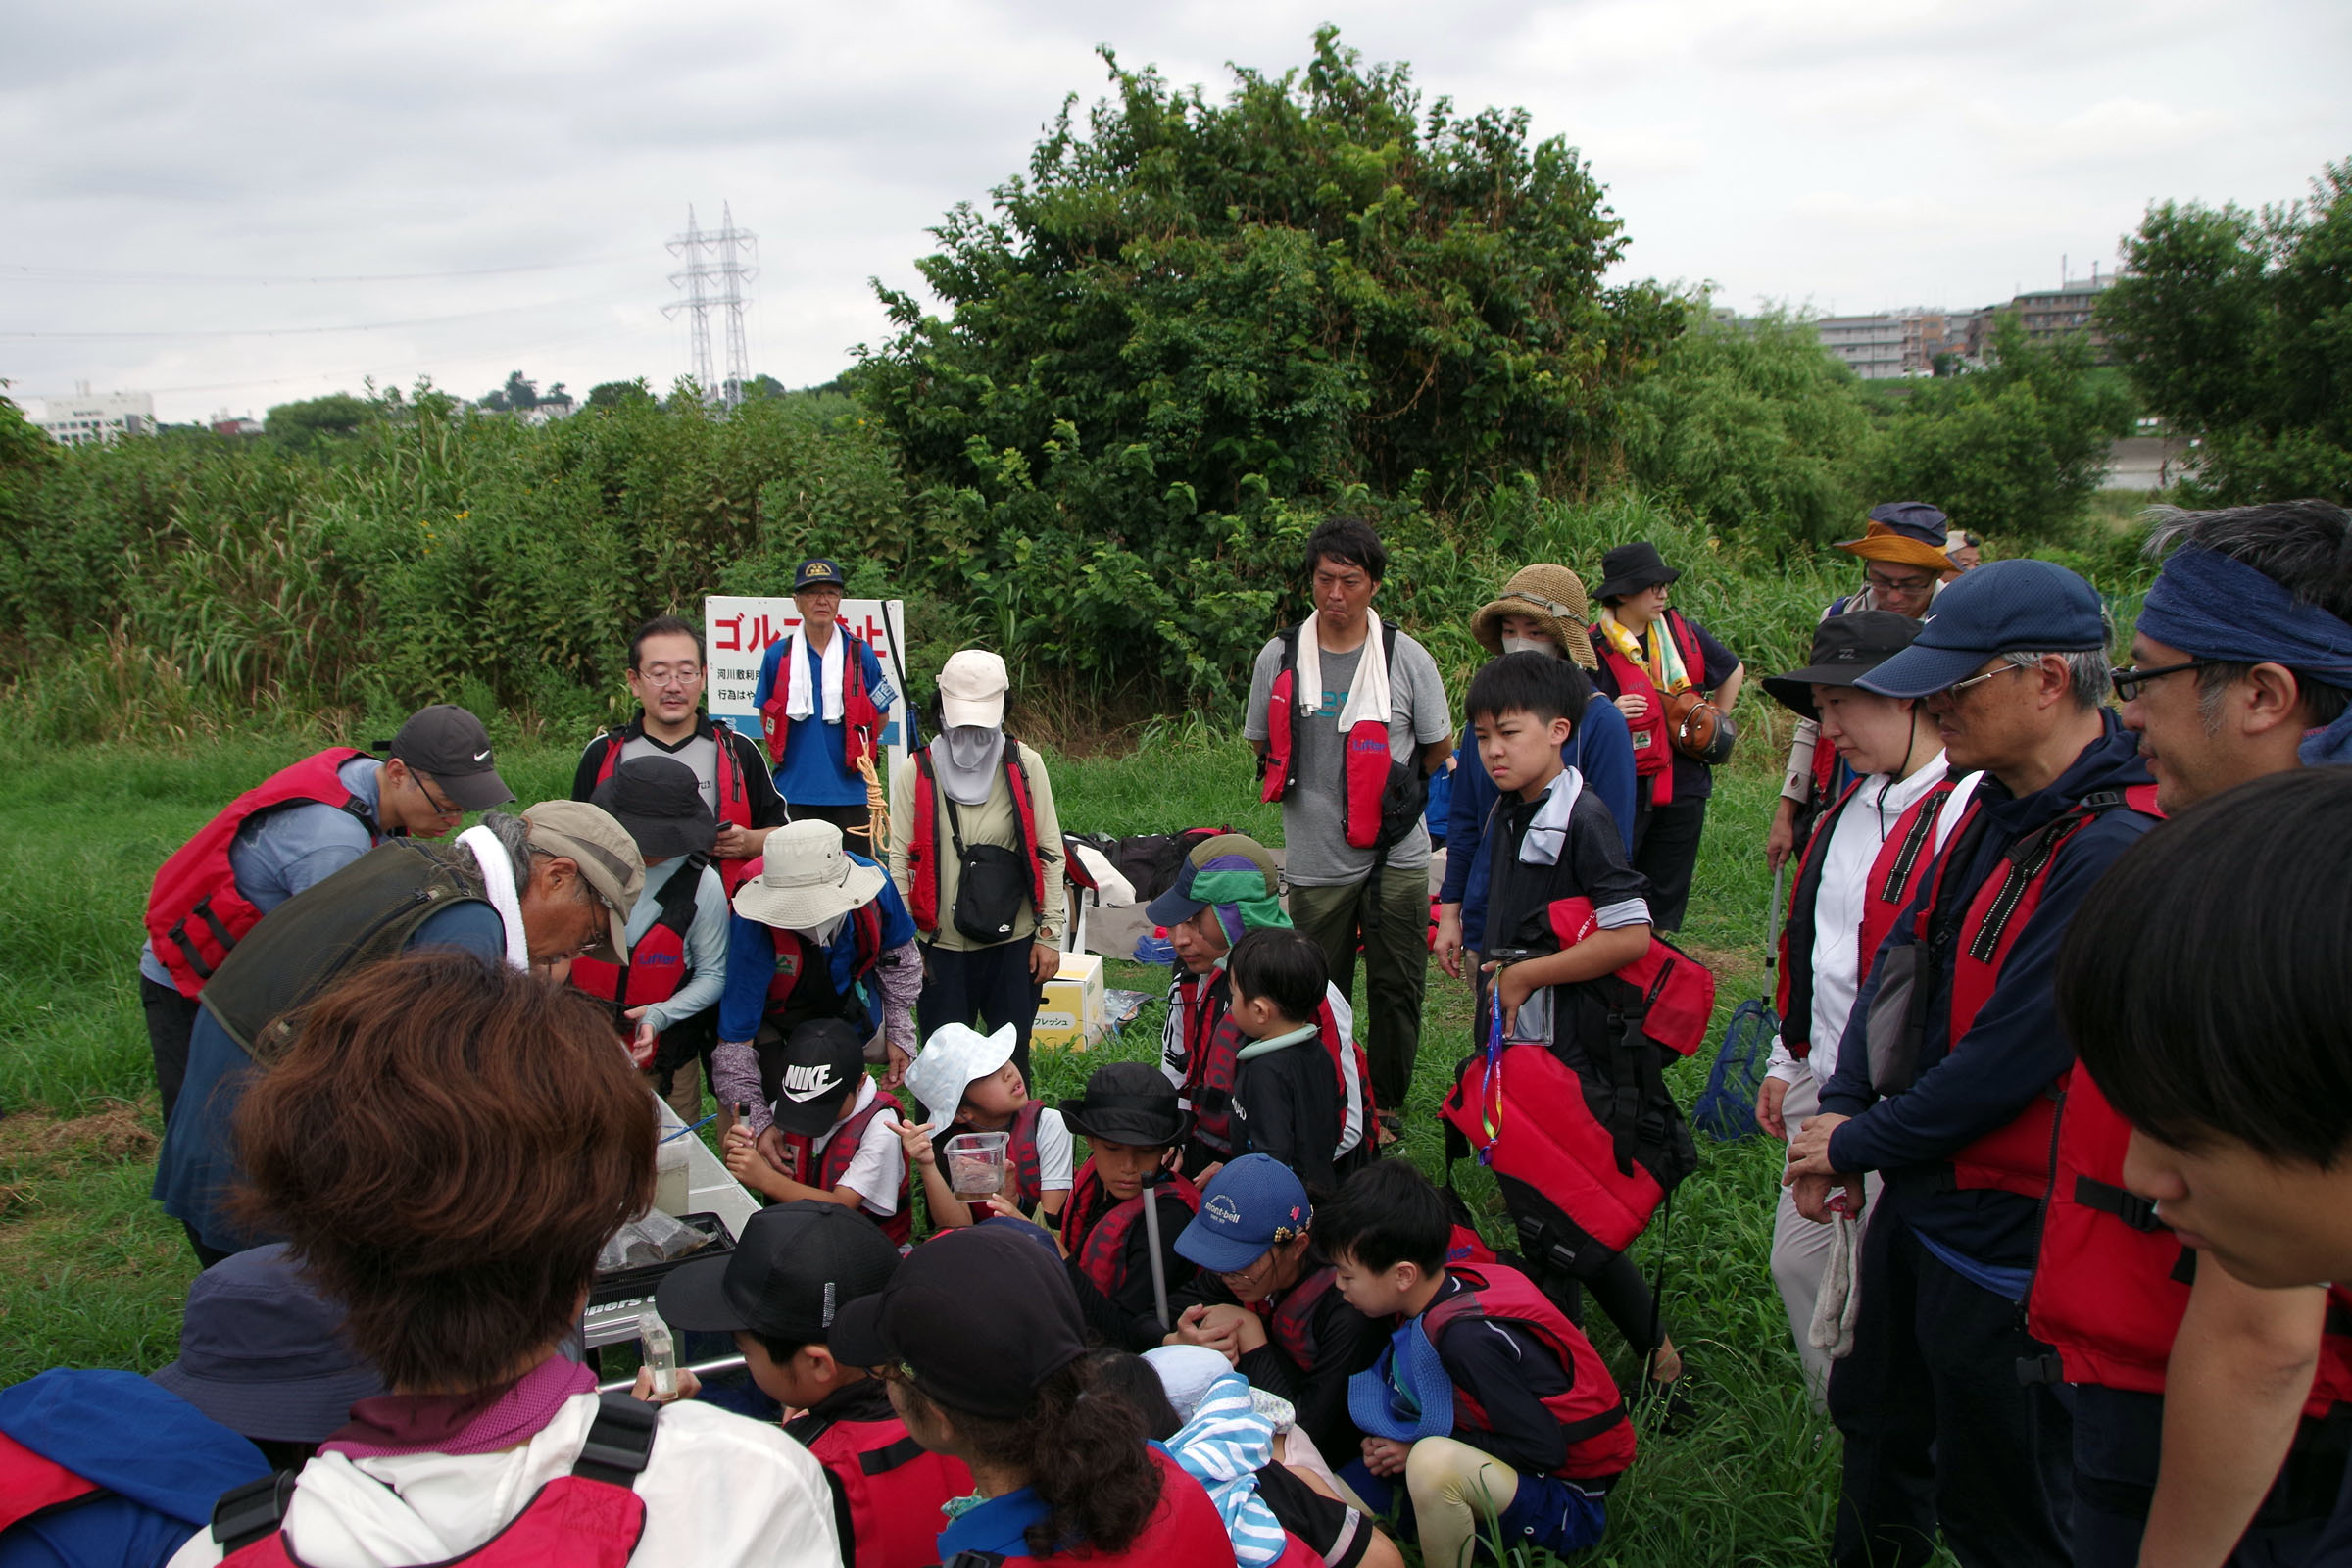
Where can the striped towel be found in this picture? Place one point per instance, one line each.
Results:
(1222, 1446)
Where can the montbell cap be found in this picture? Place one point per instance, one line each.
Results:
(1230, 868)
(975, 1319)
(449, 745)
(818, 572)
(2002, 607)
(792, 1270)
(1252, 1206)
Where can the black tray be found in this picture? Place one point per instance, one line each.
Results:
(632, 1284)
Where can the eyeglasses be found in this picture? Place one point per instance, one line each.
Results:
(2129, 680)
(670, 674)
(1954, 690)
(1245, 1276)
(441, 806)
(1895, 585)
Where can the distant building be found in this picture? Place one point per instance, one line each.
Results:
(90, 419)
(223, 422)
(2048, 315)
(1872, 346)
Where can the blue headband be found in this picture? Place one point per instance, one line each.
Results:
(2213, 605)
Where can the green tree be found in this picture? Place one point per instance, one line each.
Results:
(2015, 449)
(2236, 327)
(520, 393)
(313, 420)
(614, 393)
(1186, 312)
(1753, 429)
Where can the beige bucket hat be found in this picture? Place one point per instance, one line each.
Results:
(806, 879)
(1543, 592)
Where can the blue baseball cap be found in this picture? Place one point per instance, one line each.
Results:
(1253, 1204)
(2004, 607)
(818, 572)
(1406, 1394)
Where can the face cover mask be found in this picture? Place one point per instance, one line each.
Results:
(1512, 643)
(969, 746)
(822, 936)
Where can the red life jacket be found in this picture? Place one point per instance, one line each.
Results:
(1903, 863)
(1291, 1323)
(1590, 1411)
(1797, 930)
(1365, 768)
(824, 1172)
(1209, 1079)
(657, 964)
(2016, 1156)
(2112, 1281)
(1653, 752)
(922, 853)
(861, 721)
(1095, 1228)
(32, 1484)
(734, 799)
(794, 952)
(1185, 1531)
(1022, 1147)
(894, 1488)
(195, 913)
(591, 1518)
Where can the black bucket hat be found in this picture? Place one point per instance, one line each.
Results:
(1630, 569)
(661, 804)
(1129, 1103)
(1845, 648)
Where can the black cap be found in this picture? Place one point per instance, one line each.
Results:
(793, 1269)
(657, 800)
(1630, 569)
(449, 745)
(823, 1060)
(976, 1319)
(1845, 647)
(1129, 1103)
(818, 572)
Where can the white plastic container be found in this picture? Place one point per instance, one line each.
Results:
(976, 1163)
(671, 1184)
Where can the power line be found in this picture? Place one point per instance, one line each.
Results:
(35, 272)
(313, 331)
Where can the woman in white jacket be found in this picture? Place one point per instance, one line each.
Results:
(446, 1146)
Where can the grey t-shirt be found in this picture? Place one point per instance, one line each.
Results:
(700, 753)
(1314, 819)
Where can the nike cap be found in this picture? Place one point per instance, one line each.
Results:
(823, 1061)
(449, 745)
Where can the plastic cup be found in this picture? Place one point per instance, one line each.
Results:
(976, 1163)
(671, 1185)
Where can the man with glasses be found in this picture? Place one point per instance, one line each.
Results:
(1947, 1081)
(1903, 567)
(295, 828)
(823, 698)
(666, 676)
(532, 892)
(2207, 1411)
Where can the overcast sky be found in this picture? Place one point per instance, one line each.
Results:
(178, 176)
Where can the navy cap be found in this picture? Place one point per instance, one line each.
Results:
(262, 1352)
(818, 572)
(2000, 608)
(1253, 1204)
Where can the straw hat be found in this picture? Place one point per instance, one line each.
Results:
(806, 879)
(1543, 592)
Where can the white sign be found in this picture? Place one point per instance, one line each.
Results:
(737, 630)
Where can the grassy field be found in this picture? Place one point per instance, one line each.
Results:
(91, 1274)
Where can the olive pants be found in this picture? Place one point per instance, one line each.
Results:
(1395, 940)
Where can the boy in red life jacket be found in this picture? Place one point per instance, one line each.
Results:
(967, 1082)
(1284, 1102)
(1491, 1409)
(838, 1132)
(1134, 1128)
(791, 1271)
(664, 995)
(2215, 1028)
(1265, 1298)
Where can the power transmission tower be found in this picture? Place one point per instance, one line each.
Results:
(732, 244)
(691, 246)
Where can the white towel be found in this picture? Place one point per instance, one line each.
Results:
(800, 702)
(1547, 831)
(1840, 1299)
(1367, 698)
(498, 879)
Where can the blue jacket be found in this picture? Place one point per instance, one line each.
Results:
(163, 1462)
(2014, 1047)
(1601, 749)
(752, 961)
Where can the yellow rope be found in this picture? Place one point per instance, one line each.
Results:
(877, 807)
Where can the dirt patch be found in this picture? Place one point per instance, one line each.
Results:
(114, 1135)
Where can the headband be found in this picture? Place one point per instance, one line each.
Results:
(2214, 605)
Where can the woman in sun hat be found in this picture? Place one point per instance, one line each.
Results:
(817, 933)
(1541, 610)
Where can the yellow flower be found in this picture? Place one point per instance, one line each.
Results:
(463, 515)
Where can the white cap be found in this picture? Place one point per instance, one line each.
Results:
(971, 690)
(950, 1062)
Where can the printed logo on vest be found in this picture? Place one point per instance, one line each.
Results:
(803, 1084)
(1220, 1210)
